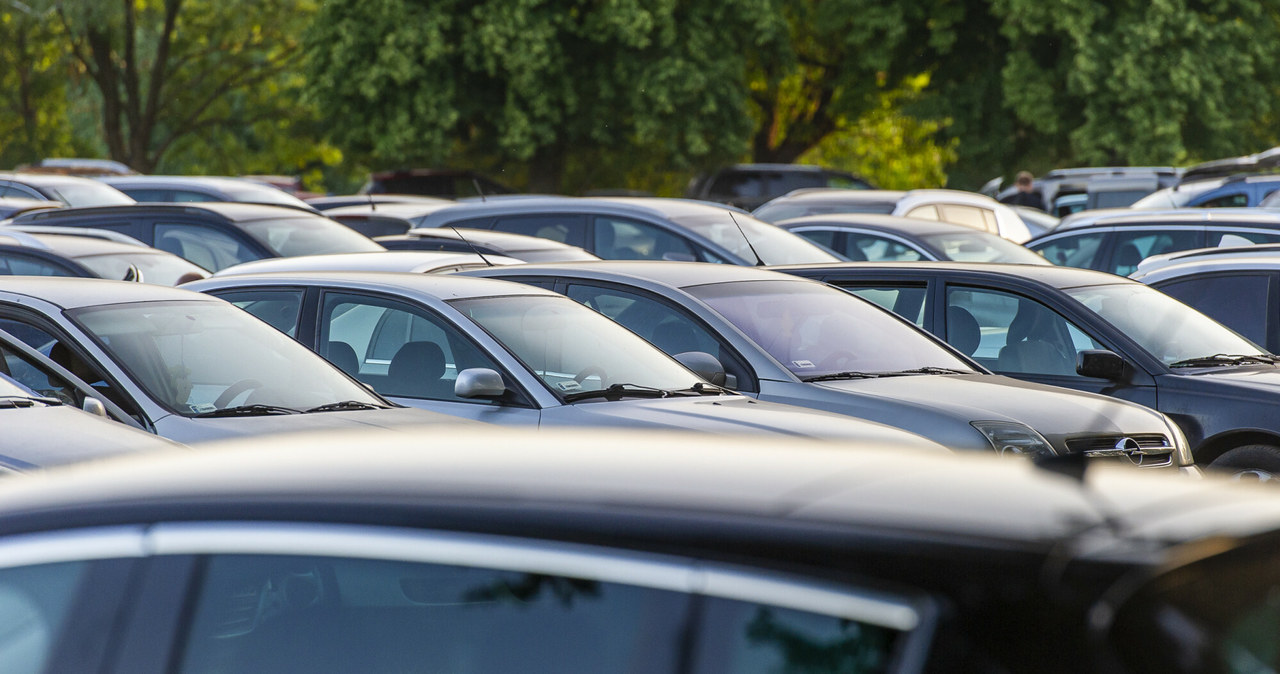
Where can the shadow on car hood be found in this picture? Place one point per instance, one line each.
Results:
(189, 430)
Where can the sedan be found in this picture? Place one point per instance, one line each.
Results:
(65, 254)
(485, 242)
(498, 551)
(404, 261)
(1094, 332)
(792, 340)
(890, 238)
(180, 364)
(510, 354)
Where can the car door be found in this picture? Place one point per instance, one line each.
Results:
(618, 238)
(570, 228)
(412, 355)
(210, 247)
(663, 324)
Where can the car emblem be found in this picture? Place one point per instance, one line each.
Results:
(1130, 448)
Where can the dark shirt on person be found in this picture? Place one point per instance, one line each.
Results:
(1032, 199)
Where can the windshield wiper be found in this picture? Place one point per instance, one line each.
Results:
(843, 375)
(346, 405)
(1227, 359)
(617, 391)
(929, 369)
(26, 401)
(248, 411)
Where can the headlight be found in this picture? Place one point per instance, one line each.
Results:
(1012, 438)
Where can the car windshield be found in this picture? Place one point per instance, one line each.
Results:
(773, 245)
(12, 389)
(88, 193)
(979, 247)
(267, 195)
(816, 330)
(197, 357)
(1165, 327)
(787, 209)
(158, 268)
(308, 235)
(572, 348)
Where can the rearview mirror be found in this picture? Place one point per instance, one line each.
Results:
(1100, 364)
(704, 365)
(479, 382)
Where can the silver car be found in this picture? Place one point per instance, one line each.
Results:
(511, 354)
(180, 364)
(801, 342)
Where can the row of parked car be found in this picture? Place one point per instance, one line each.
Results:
(400, 531)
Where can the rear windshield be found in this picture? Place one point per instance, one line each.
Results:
(289, 237)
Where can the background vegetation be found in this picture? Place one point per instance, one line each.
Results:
(574, 95)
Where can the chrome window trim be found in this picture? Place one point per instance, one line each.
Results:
(73, 546)
(525, 555)
(868, 232)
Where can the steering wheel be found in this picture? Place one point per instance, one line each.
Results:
(234, 390)
(587, 372)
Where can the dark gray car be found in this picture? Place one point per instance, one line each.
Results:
(801, 342)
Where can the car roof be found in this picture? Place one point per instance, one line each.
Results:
(72, 293)
(382, 261)
(1052, 275)
(1240, 261)
(671, 274)
(49, 179)
(671, 476)
(405, 210)
(1260, 217)
(841, 195)
(233, 211)
(219, 182)
(489, 237)
(650, 206)
(71, 245)
(880, 221)
(443, 286)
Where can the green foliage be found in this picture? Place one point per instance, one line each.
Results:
(537, 83)
(33, 106)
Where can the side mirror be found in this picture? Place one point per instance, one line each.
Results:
(704, 365)
(95, 407)
(479, 382)
(133, 274)
(678, 257)
(1100, 364)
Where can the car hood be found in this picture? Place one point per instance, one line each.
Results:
(38, 437)
(1056, 413)
(1247, 381)
(190, 430)
(732, 414)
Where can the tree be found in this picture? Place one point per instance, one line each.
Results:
(33, 108)
(537, 84)
(173, 72)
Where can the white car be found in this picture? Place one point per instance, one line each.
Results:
(954, 206)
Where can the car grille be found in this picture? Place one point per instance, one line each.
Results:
(1148, 450)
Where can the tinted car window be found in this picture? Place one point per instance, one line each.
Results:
(189, 196)
(1238, 301)
(35, 605)
(1072, 251)
(314, 235)
(905, 301)
(1013, 334)
(1240, 237)
(1130, 248)
(1238, 200)
(874, 248)
(565, 228)
(17, 264)
(278, 308)
(623, 239)
(204, 246)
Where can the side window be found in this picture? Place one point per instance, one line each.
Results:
(905, 301)
(149, 195)
(1239, 301)
(474, 223)
(736, 184)
(670, 329)
(969, 216)
(278, 308)
(924, 213)
(1073, 251)
(1240, 237)
(565, 228)
(204, 246)
(622, 239)
(35, 377)
(877, 249)
(35, 608)
(822, 237)
(321, 614)
(1130, 248)
(1237, 200)
(185, 195)
(1013, 334)
(398, 349)
(17, 264)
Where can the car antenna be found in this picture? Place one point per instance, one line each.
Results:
(743, 232)
(476, 184)
(471, 246)
(373, 205)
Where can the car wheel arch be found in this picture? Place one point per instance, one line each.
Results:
(1214, 447)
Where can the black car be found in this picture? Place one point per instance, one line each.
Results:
(1117, 240)
(749, 185)
(1093, 332)
(666, 553)
(215, 235)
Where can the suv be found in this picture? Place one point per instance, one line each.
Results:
(750, 185)
(215, 235)
(1237, 191)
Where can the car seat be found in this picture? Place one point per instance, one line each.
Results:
(1031, 346)
(963, 331)
(344, 356)
(1126, 258)
(415, 371)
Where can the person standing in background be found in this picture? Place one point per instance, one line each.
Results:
(1026, 194)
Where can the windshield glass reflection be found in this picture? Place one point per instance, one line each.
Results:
(772, 244)
(572, 348)
(1165, 327)
(289, 237)
(197, 357)
(813, 329)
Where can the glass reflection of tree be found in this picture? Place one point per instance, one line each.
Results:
(530, 586)
(858, 649)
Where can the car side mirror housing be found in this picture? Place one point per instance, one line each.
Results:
(1101, 364)
(95, 407)
(479, 382)
(678, 257)
(704, 365)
